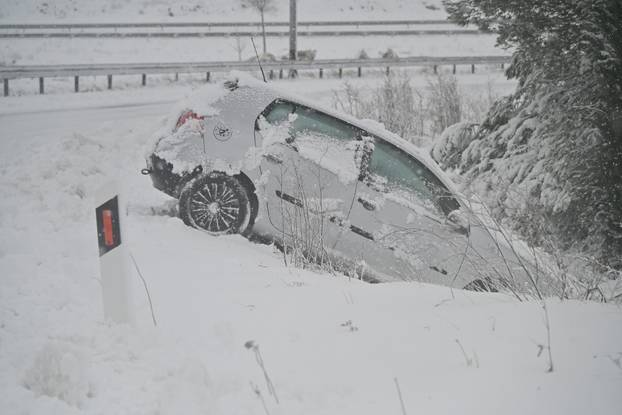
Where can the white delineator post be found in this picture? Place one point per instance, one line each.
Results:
(113, 259)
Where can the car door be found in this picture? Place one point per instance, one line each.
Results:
(310, 176)
(407, 212)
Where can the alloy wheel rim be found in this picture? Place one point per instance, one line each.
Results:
(215, 207)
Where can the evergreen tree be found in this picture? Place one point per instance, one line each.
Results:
(550, 155)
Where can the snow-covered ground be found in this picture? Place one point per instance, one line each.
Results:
(329, 345)
(40, 51)
(215, 10)
(79, 50)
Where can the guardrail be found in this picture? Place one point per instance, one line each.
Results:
(271, 68)
(269, 33)
(70, 26)
(236, 29)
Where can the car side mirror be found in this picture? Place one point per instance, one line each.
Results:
(459, 222)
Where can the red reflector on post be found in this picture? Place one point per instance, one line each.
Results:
(107, 222)
(108, 226)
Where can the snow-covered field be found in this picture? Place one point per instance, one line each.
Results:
(68, 51)
(79, 50)
(329, 345)
(215, 10)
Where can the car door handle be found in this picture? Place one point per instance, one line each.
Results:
(367, 204)
(273, 159)
(459, 223)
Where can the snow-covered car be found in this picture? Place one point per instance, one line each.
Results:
(243, 155)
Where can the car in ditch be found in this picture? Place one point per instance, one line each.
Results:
(245, 157)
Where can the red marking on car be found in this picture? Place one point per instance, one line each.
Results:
(108, 234)
(186, 116)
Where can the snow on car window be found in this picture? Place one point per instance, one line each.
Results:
(318, 137)
(279, 112)
(311, 121)
(334, 155)
(409, 178)
(274, 132)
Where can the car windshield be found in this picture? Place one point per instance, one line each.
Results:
(398, 171)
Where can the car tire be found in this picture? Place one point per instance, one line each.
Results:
(216, 203)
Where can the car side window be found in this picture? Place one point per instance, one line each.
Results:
(318, 137)
(308, 121)
(394, 170)
(278, 112)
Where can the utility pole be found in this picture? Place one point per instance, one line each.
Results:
(292, 36)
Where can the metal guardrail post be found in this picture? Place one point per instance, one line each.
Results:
(207, 76)
(41, 86)
(453, 71)
(6, 87)
(472, 68)
(340, 73)
(321, 73)
(388, 71)
(144, 79)
(360, 72)
(435, 69)
(76, 84)
(109, 81)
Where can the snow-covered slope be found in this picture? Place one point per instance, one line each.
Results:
(329, 345)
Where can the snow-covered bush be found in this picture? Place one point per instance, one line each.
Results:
(448, 148)
(362, 54)
(445, 102)
(396, 104)
(550, 155)
(389, 54)
(304, 229)
(414, 113)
